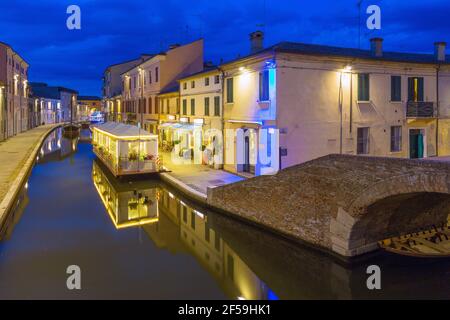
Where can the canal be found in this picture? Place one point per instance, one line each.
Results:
(142, 240)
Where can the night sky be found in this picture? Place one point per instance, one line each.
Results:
(116, 30)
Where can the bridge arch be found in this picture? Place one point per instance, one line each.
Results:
(397, 205)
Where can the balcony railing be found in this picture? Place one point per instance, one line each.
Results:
(420, 109)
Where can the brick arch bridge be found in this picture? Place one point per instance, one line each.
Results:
(343, 203)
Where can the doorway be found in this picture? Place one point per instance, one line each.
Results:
(246, 167)
(417, 146)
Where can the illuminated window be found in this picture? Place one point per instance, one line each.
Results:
(415, 89)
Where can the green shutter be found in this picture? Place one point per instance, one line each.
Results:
(420, 89)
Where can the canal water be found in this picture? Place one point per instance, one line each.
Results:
(142, 240)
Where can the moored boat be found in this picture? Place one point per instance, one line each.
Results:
(71, 130)
(434, 243)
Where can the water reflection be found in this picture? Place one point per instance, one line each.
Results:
(142, 239)
(57, 148)
(175, 226)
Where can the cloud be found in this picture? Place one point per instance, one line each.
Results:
(117, 30)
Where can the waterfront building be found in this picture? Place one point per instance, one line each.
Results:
(56, 103)
(201, 109)
(13, 92)
(316, 100)
(169, 117)
(113, 86)
(86, 105)
(143, 83)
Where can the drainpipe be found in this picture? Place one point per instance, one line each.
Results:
(222, 72)
(340, 113)
(437, 109)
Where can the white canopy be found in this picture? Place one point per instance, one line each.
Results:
(124, 130)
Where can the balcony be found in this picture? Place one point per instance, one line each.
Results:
(420, 109)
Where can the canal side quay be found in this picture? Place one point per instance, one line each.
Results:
(17, 156)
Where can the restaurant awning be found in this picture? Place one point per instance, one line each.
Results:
(121, 130)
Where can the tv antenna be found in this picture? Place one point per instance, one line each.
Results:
(359, 22)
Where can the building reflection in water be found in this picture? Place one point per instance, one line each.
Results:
(177, 227)
(56, 147)
(127, 205)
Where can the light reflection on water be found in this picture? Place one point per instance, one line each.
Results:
(140, 239)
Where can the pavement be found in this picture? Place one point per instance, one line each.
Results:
(15, 154)
(194, 179)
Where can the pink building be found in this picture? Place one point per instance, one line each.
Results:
(13, 92)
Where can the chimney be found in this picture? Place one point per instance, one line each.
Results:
(439, 51)
(173, 46)
(256, 41)
(376, 47)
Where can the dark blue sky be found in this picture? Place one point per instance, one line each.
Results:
(117, 30)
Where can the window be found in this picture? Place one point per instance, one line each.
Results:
(184, 85)
(156, 74)
(415, 89)
(150, 105)
(206, 106)
(178, 105)
(216, 79)
(193, 220)
(363, 141)
(184, 214)
(217, 106)
(264, 85)
(396, 138)
(157, 105)
(192, 84)
(206, 81)
(149, 76)
(193, 107)
(396, 88)
(230, 94)
(363, 87)
(184, 107)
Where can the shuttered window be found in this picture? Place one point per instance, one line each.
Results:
(362, 141)
(230, 89)
(206, 106)
(264, 85)
(363, 87)
(396, 88)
